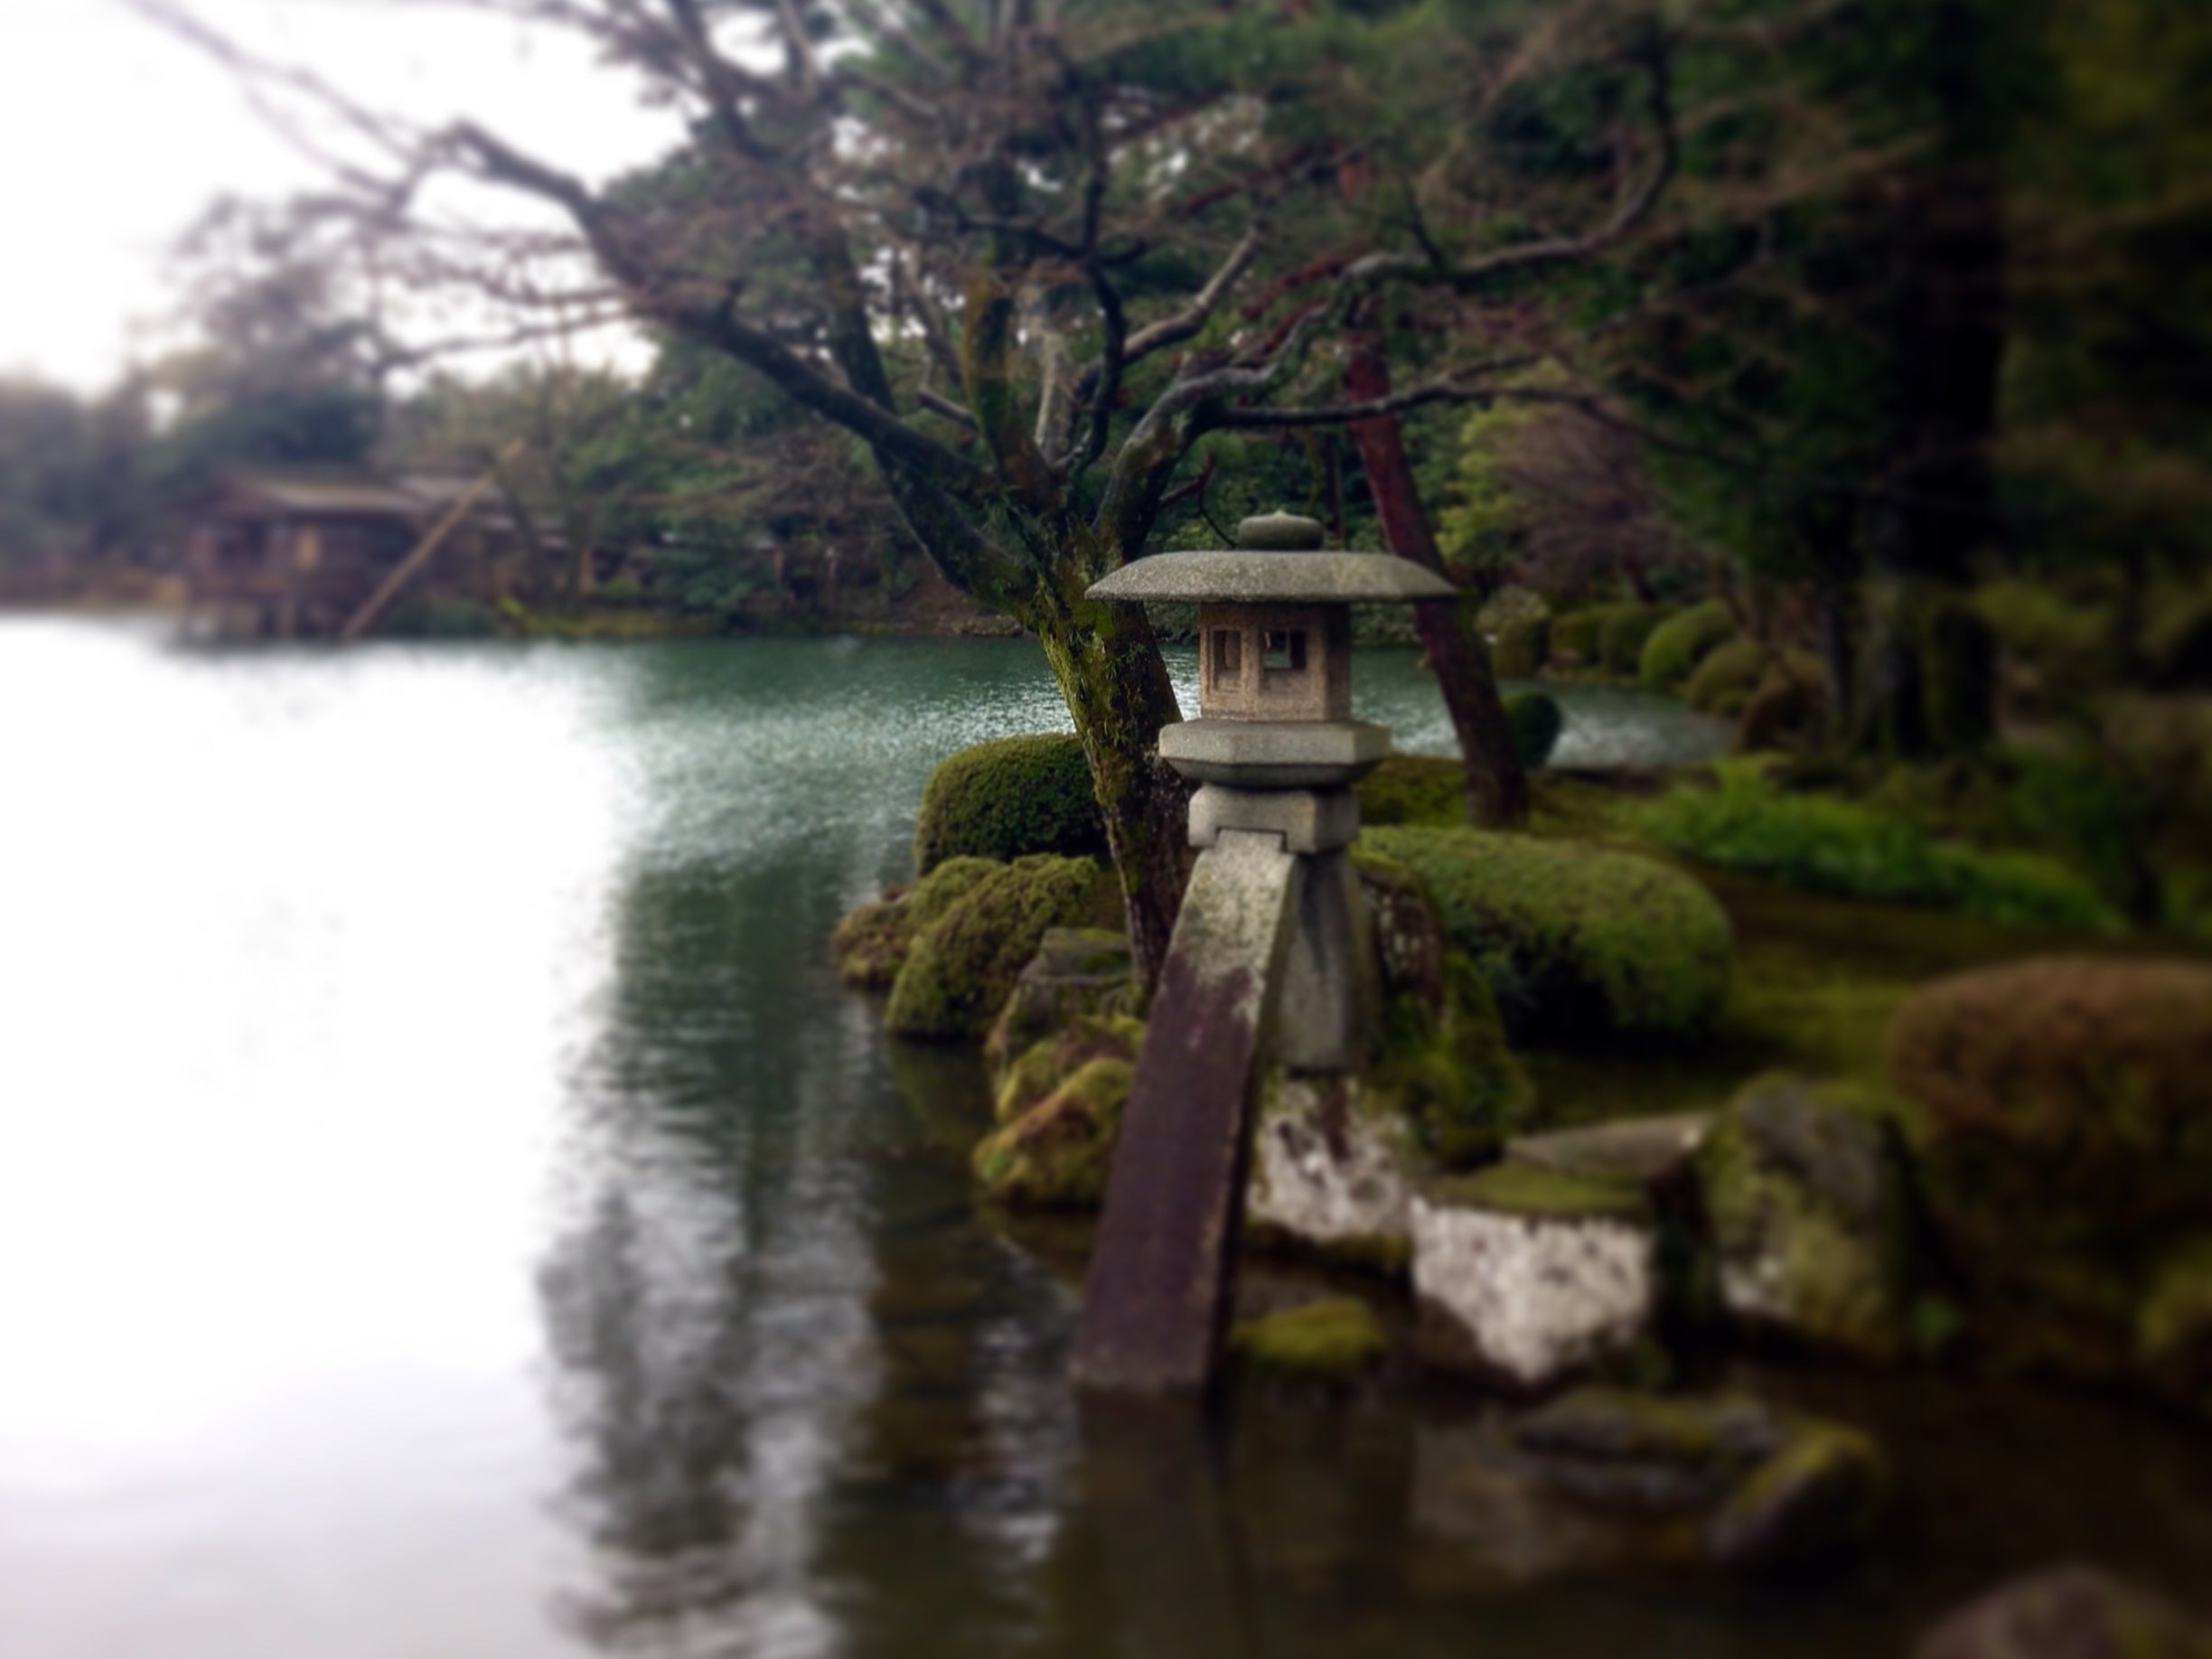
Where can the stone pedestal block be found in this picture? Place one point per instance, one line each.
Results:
(1527, 1276)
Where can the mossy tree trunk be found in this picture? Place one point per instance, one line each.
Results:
(1497, 790)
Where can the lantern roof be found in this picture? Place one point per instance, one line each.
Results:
(1278, 559)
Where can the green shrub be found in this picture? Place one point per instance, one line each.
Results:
(1576, 634)
(1724, 681)
(1535, 721)
(1413, 789)
(960, 969)
(1518, 651)
(1680, 643)
(1833, 844)
(1574, 940)
(1628, 628)
(1008, 798)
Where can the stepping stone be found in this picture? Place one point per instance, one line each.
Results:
(1649, 1151)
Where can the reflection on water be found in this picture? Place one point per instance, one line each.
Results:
(447, 1206)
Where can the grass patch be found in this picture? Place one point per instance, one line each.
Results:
(1830, 844)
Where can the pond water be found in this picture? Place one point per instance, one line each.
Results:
(448, 1207)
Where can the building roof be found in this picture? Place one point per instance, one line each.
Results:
(326, 493)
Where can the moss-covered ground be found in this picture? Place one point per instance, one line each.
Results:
(1817, 975)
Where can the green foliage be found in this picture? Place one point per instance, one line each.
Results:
(1481, 531)
(960, 969)
(1008, 797)
(1830, 844)
(1679, 644)
(1451, 1071)
(1574, 940)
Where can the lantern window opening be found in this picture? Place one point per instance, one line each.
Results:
(1227, 664)
(1283, 650)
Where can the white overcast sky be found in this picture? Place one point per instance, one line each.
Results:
(113, 133)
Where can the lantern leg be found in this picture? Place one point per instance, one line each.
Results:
(1158, 1290)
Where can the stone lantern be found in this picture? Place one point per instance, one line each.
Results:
(1275, 749)
(1273, 961)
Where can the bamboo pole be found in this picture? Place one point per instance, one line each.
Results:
(362, 620)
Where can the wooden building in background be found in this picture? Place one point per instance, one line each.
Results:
(295, 554)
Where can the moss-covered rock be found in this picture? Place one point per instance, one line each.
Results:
(1677, 645)
(1806, 1206)
(1008, 798)
(1517, 651)
(1575, 942)
(1724, 682)
(2071, 1612)
(1817, 1497)
(1621, 1444)
(1056, 1155)
(1775, 1488)
(1050, 1062)
(1334, 1340)
(1076, 972)
(960, 969)
(869, 946)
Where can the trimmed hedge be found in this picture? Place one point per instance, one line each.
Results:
(1535, 721)
(1724, 681)
(1680, 643)
(1006, 798)
(1627, 630)
(1574, 940)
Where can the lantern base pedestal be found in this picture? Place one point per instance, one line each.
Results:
(1264, 754)
(1309, 820)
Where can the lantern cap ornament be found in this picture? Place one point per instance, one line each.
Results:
(1279, 559)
